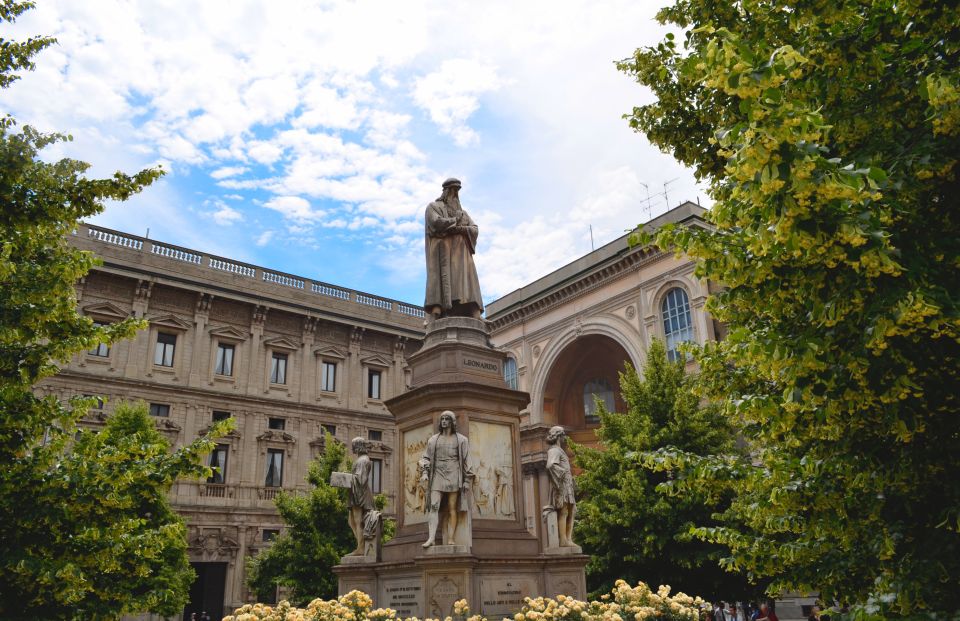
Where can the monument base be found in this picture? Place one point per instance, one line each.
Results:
(358, 560)
(561, 550)
(428, 586)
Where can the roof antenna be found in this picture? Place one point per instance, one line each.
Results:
(665, 197)
(648, 198)
(147, 236)
(591, 238)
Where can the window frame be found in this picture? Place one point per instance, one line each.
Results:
(172, 349)
(221, 359)
(95, 352)
(279, 371)
(217, 449)
(377, 394)
(376, 475)
(675, 310)
(590, 416)
(156, 407)
(510, 373)
(328, 368)
(271, 452)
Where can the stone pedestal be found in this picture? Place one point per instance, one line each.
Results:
(458, 370)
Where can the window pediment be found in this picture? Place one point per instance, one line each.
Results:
(282, 343)
(377, 360)
(169, 321)
(329, 352)
(273, 435)
(105, 310)
(228, 333)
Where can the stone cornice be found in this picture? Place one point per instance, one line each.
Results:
(601, 276)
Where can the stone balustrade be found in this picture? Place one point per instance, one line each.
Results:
(141, 245)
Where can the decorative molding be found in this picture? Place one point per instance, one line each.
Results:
(170, 321)
(376, 360)
(329, 352)
(212, 544)
(282, 343)
(106, 310)
(203, 302)
(228, 333)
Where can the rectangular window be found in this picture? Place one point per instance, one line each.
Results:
(328, 378)
(278, 369)
(375, 435)
(269, 534)
(99, 403)
(163, 354)
(274, 468)
(373, 384)
(218, 462)
(224, 364)
(220, 415)
(376, 475)
(331, 429)
(159, 409)
(276, 423)
(101, 350)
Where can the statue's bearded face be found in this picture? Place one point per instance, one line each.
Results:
(451, 196)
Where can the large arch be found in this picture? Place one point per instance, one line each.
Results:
(594, 352)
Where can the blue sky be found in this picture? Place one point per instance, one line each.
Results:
(309, 136)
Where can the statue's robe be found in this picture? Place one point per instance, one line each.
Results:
(360, 493)
(562, 490)
(451, 274)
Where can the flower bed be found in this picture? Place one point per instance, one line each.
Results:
(624, 603)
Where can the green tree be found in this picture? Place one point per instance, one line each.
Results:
(629, 529)
(83, 529)
(829, 134)
(317, 536)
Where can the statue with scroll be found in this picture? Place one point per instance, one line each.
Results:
(562, 490)
(364, 517)
(446, 478)
(453, 289)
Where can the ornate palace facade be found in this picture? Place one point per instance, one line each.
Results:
(290, 359)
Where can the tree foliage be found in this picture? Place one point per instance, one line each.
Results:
(629, 529)
(84, 529)
(317, 536)
(829, 134)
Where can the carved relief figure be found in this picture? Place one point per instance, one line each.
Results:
(453, 289)
(364, 517)
(503, 497)
(447, 479)
(562, 490)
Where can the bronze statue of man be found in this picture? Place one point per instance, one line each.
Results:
(446, 477)
(453, 289)
(562, 491)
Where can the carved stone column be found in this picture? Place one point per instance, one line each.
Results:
(255, 370)
(201, 340)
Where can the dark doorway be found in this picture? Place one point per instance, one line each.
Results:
(206, 594)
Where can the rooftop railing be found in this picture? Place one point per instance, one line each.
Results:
(141, 245)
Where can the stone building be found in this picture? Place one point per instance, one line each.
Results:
(287, 358)
(290, 358)
(568, 335)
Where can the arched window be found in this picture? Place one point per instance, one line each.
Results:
(601, 389)
(677, 326)
(510, 373)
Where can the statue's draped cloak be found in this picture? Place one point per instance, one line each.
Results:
(360, 493)
(429, 462)
(562, 491)
(451, 273)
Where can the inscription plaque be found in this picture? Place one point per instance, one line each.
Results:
(504, 596)
(403, 595)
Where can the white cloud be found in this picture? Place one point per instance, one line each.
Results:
(347, 115)
(228, 171)
(295, 208)
(226, 215)
(264, 238)
(452, 93)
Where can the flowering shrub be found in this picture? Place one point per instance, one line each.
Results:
(624, 603)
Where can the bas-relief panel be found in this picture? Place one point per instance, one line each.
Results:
(415, 502)
(491, 459)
